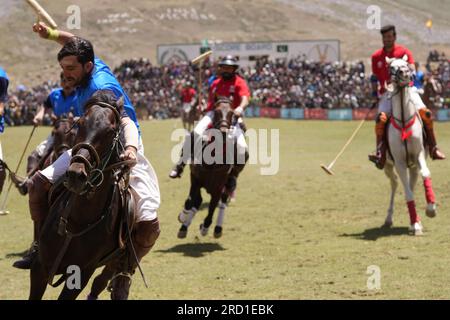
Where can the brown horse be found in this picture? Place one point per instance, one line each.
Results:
(212, 175)
(63, 134)
(82, 229)
(189, 115)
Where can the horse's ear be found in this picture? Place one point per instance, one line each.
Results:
(389, 60)
(120, 103)
(405, 57)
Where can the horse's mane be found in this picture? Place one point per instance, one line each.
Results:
(104, 96)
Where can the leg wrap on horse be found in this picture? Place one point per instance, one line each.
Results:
(427, 118)
(38, 187)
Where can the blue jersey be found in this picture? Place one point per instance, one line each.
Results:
(4, 81)
(418, 80)
(62, 105)
(103, 79)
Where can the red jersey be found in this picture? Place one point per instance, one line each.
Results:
(380, 66)
(234, 89)
(187, 94)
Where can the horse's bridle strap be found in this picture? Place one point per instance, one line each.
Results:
(92, 152)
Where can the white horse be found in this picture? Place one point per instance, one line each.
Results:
(407, 152)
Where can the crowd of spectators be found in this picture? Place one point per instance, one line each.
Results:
(297, 83)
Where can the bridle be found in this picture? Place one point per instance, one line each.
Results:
(97, 167)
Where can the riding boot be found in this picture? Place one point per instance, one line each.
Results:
(22, 183)
(379, 158)
(28, 258)
(435, 153)
(177, 170)
(38, 186)
(144, 237)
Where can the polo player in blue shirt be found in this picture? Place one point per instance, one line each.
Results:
(90, 74)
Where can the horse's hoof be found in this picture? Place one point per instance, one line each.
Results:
(387, 225)
(217, 232)
(416, 229)
(182, 233)
(431, 210)
(203, 230)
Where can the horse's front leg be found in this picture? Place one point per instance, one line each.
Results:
(191, 207)
(415, 226)
(101, 281)
(208, 220)
(389, 172)
(429, 193)
(75, 284)
(38, 280)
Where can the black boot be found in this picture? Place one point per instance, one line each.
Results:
(30, 256)
(20, 183)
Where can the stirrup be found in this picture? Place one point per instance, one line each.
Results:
(377, 160)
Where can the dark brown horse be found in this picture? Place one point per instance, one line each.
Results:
(189, 115)
(63, 134)
(82, 229)
(212, 175)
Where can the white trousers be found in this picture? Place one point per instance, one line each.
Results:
(385, 104)
(143, 182)
(203, 124)
(45, 145)
(200, 129)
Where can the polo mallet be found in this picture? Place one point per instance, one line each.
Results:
(327, 169)
(42, 14)
(2, 209)
(199, 60)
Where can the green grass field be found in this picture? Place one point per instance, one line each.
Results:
(299, 234)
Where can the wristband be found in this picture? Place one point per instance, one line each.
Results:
(53, 34)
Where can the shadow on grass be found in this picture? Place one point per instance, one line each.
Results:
(374, 234)
(16, 254)
(195, 250)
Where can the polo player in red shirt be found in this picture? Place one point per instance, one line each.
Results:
(234, 87)
(380, 75)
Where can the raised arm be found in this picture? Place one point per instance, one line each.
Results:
(45, 32)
